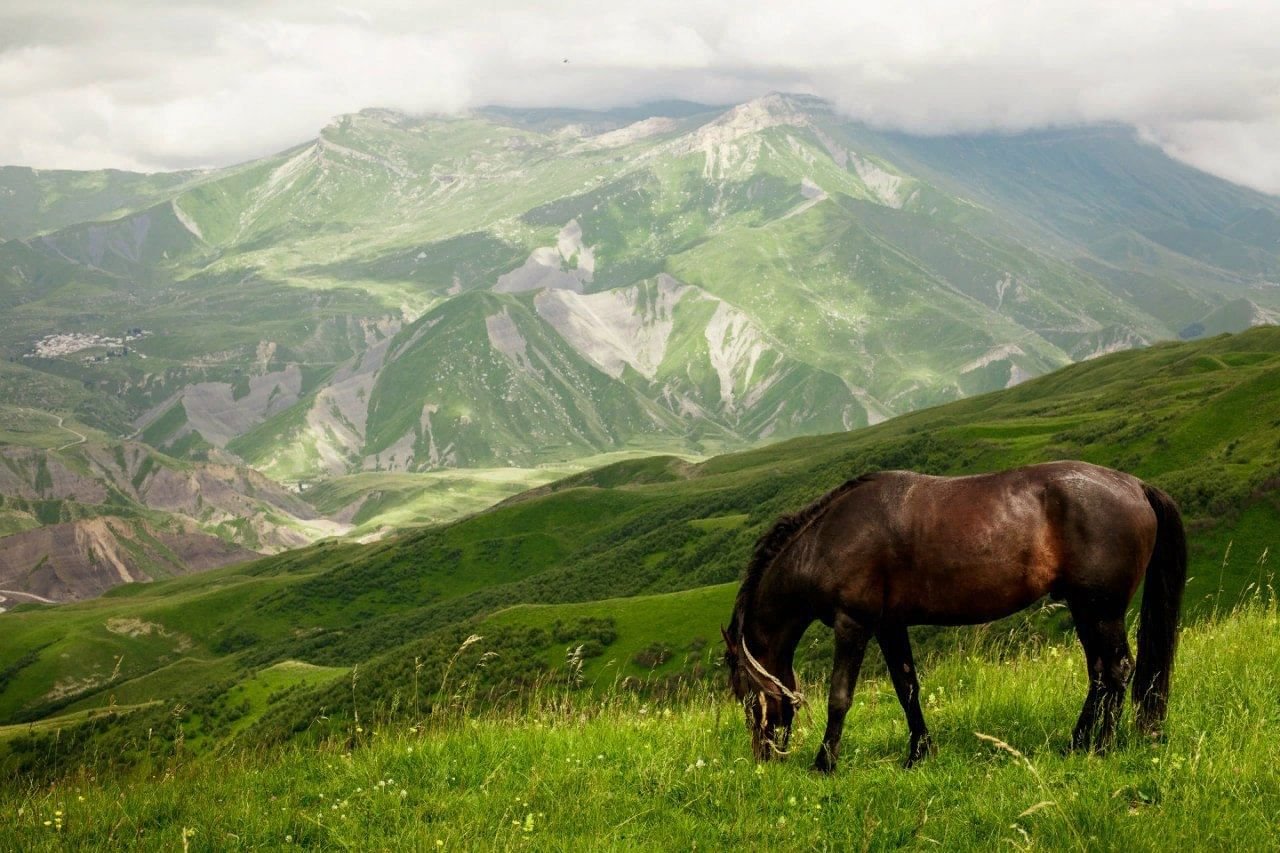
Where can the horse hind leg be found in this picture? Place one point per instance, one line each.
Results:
(1117, 669)
(1082, 735)
(1110, 665)
(1086, 630)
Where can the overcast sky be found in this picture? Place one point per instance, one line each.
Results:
(182, 83)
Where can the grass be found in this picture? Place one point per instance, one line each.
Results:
(53, 724)
(685, 623)
(617, 772)
(380, 501)
(258, 691)
(78, 646)
(24, 427)
(166, 683)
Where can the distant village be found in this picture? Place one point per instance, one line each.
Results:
(68, 343)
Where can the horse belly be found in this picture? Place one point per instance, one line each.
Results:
(971, 603)
(970, 583)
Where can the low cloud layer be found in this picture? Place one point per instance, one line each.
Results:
(188, 83)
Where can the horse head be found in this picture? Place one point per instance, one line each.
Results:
(769, 704)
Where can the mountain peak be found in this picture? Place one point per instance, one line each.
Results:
(731, 141)
(757, 114)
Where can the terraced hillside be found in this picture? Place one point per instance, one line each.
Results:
(563, 567)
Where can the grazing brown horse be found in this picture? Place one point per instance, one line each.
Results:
(897, 548)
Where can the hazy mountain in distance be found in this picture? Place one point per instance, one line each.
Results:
(526, 287)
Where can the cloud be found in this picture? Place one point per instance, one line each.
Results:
(209, 82)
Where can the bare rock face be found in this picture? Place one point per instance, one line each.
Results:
(123, 513)
(568, 265)
(82, 559)
(210, 493)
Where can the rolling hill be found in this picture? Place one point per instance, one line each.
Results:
(631, 563)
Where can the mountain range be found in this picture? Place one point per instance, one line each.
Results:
(522, 290)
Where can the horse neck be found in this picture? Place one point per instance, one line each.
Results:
(774, 623)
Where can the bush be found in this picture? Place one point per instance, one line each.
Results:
(652, 656)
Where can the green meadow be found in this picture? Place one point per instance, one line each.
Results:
(614, 771)
(558, 380)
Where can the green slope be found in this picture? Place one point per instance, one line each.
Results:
(1198, 419)
(616, 772)
(487, 378)
(42, 200)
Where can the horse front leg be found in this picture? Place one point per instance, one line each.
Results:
(851, 644)
(895, 643)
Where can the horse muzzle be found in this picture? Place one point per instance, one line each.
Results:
(767, 746)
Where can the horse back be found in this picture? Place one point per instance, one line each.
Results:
(953, 550)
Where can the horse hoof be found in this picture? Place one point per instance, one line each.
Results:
(1079, 743)
(919, 752)
(824, 765)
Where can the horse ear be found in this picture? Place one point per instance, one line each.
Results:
(727, 640)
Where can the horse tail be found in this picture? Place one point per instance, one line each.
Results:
(1161, 604)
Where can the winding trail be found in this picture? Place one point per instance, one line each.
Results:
(80, 438)
(5, 593)
(11, 597)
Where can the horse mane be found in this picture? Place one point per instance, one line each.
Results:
(776, 539)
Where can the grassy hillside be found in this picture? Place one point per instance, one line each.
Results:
(381, 502)
(41, 200)
(1198, 419)
(616, 772)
